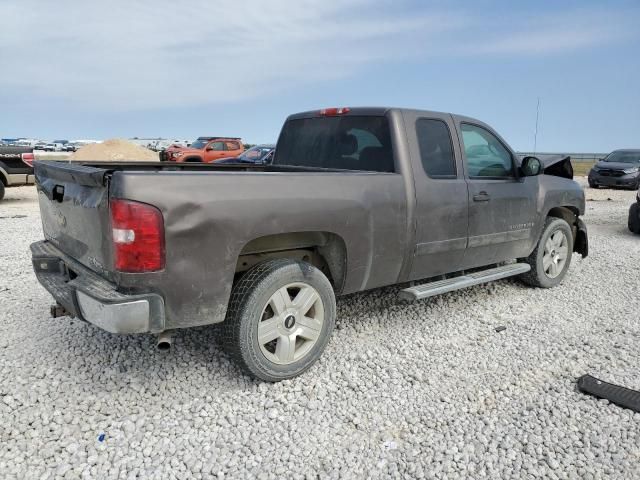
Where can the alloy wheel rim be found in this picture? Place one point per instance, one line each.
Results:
(290, 323)
(556, 251)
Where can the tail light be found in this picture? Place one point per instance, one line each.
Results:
(28, 158)
(331, 112)
(138, 236)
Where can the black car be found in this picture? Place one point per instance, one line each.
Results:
(256, 155)
(621, 168)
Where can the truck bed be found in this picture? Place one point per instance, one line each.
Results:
(214, 214)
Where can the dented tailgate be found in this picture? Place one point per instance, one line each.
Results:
(74, 205)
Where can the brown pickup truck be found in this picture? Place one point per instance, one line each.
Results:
(354, 199)
(205, 149)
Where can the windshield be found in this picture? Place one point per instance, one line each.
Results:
(255, 153)
(351, 142)
(623, 157)
(199, 144)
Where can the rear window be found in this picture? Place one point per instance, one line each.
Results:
(341, 142)
(436, 151)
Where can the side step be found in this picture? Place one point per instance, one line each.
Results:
(450, 284)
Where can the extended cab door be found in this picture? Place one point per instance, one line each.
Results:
(441, 211)
(502, 205)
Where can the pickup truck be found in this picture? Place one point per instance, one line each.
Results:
(16, 167)
(205, 149)
(355, 199)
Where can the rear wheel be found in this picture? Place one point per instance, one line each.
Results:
(280, 318)
(552, 256)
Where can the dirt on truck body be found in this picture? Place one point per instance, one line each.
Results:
(354, 199)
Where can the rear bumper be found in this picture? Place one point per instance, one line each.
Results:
(88, 296)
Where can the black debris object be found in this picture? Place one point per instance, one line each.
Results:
(501, 328)
(621, 396)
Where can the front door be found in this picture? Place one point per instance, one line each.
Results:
(502, 206)
(441, 208)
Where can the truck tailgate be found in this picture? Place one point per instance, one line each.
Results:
(74, 205)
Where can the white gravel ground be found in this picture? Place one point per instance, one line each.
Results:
(424, 390)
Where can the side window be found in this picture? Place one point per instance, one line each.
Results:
(486, 156)
(232, 145)
(217, 146)
(436, 150)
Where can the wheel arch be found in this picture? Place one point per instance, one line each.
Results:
(571, 215)
(4, 177)
(325, 250)
(568, 213)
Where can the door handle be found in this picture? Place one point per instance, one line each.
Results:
(481, 197)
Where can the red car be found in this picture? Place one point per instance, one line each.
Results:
(205, 149)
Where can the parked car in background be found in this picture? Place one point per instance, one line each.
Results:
(69, 147)
(16, 167)
(634, 215)
(205, 149)
(260, 154)
(354, 199)
(41, 146)
(621, 168)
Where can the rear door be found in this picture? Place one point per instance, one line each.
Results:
(441, 214)
(502, 206)
(214, 151)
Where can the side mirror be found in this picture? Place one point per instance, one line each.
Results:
(530, 166)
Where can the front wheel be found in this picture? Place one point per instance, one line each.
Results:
(551, 258)
(634, 218)
(280, 318)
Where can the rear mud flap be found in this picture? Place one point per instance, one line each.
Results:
(621, 396)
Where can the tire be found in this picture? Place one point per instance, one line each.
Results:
(293, 338)
(548, 277)
(634, 218)
(593, 184)
(1, 190)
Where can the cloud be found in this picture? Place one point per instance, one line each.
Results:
(550, 34)
(123, 55)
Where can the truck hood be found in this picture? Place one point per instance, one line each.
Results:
(556, 165)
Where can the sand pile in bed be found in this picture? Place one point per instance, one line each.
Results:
(115, 150)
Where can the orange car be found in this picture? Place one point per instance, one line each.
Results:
(206, 149)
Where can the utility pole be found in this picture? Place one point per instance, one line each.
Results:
(535, 135)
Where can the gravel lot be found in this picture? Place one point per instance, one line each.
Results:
(404, 390)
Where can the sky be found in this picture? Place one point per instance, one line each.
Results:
(156, 68)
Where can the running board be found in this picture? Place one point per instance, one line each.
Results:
(450, 284)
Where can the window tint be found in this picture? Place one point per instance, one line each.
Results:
(342, 142)
(435, 146)
(486, 156)
(217, 146)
